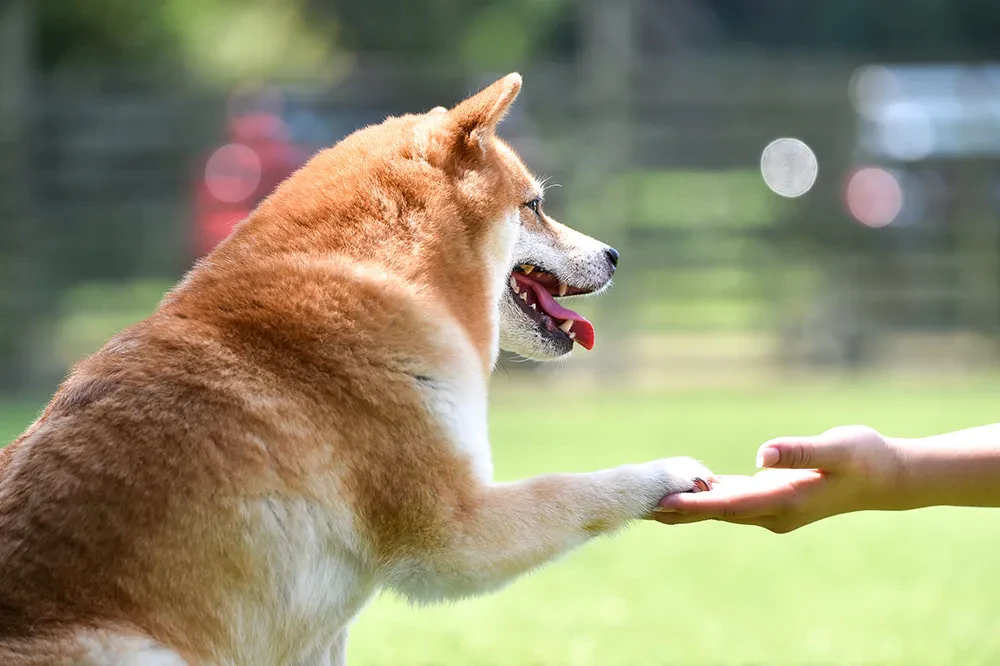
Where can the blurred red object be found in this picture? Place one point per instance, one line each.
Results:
(235, 177)
(874, 196)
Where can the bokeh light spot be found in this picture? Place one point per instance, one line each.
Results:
(233, 173)
(789, 167)
(874, 197)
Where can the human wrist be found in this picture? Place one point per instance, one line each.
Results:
(910, 488)
(931, 473)
(883, 476)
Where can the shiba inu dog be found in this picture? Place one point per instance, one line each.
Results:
(302, 422)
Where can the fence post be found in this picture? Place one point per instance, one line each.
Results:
(16, 267)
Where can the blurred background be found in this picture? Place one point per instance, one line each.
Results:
(133, 135)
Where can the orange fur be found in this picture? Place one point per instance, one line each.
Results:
(286, 398)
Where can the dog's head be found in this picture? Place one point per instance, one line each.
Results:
(441, 200)
(535, 262)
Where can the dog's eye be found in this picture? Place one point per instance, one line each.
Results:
(535, 205)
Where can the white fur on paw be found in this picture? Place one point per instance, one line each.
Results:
(684, 474)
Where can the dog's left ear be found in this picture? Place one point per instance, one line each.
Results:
(466, 127)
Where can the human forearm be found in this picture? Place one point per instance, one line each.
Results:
(847, 469)
(954, 469)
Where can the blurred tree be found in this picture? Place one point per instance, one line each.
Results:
(256, 38)
(19, 275)
(218, 39)
(475, 33)
(249, 38)
(100, 32)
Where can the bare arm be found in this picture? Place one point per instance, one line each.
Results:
(851, 468)
(955, 469)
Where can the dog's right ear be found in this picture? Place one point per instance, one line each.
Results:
(463, 131)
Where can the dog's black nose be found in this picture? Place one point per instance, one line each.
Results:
(612, 257)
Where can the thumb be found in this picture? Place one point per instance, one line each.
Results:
(803, 453)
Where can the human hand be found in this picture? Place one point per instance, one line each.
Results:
(849, 468)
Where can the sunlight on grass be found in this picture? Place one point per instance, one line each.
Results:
(916, 588)
(913, 588)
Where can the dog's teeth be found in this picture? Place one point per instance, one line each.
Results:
(566, 325)
(527, 268)
(513, 283)
(533, 307)
(572, 335)
(563, 288)
(524, 296)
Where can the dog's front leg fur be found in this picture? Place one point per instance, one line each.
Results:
(338, 652)
(516, 527)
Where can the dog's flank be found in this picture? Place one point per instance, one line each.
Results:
(302, 421)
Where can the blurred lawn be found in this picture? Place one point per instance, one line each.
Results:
(915, 588)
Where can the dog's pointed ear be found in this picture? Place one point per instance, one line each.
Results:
(482, 112)
(467, 125)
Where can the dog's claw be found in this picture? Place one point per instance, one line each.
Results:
(700, 486)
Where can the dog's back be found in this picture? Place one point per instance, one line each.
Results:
(181, 463)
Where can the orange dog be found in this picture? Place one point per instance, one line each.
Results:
(302, 422)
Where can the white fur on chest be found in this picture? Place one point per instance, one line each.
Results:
(458, 401)
(310, 585)
(110, 649)
(459, 405)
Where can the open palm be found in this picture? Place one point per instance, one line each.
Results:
(851, 468)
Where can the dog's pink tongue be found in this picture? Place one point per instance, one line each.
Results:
(583, 329)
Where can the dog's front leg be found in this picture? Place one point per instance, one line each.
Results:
(338, 652)
(507, 529)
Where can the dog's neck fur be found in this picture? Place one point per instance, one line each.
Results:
(405, 227)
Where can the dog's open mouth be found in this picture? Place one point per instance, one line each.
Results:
(536, 290)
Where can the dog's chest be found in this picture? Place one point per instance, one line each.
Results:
(308, 589)
(459, 406)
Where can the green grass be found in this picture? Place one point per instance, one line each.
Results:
(912, 588)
